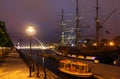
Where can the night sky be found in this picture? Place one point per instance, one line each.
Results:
(44, 15)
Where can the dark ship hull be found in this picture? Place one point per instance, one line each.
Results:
(103, 54)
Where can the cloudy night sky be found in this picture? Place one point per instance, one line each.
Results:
(44, 15)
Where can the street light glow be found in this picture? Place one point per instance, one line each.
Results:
(30, 30)
(111, 43)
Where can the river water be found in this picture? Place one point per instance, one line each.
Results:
(49, 63)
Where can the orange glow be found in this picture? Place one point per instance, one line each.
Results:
(111, 43)
(94, 44)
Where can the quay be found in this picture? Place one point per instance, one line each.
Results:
(104, 71)
(14, 67)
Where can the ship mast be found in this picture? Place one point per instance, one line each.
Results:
(98, 25)
(97, 22)
(62, 26)
(77, 37)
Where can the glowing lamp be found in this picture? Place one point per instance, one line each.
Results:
(30, 31)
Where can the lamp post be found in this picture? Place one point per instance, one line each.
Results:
(30, 31)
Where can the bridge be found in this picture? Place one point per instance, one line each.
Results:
(41, 45)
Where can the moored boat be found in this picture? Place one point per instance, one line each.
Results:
(75, 68)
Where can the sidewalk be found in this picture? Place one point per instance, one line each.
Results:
(106, 71)
(14, 67)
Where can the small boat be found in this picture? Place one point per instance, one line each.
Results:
(75, 68)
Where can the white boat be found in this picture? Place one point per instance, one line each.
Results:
(75, 68)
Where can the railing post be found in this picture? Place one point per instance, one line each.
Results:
(33, 66)
(38, 70)
(44, 67)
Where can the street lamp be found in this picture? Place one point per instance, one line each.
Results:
(30, 31)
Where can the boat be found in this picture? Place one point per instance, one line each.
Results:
(75, 68)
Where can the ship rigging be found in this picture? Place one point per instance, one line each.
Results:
(71, 34)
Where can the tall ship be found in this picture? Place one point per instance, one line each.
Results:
(71, 39)
(70, 28)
